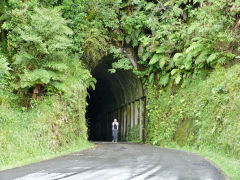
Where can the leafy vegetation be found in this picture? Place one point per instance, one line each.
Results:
(178, 39)
(91, 22)
(133, 134)
(187, 53)
(203, 115)
(43, 85)
(49, 128)
(4, 68)
(40, 55)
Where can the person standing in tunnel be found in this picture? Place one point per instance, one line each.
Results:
(115, 130)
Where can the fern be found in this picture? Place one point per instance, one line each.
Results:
(151, 79)
(95, 46)
(178, 58)
(150, 5)
(59, 87)
(212, 57)
(41, 51)
(31, 78)
(188, 61)
(222, 60)
(164, 80)
(4, 66)
(200, 60)
(61, 67)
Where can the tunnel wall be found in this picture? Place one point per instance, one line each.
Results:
(130, 115)
(119, 95)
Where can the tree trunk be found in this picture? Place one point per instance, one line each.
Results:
(36, 91)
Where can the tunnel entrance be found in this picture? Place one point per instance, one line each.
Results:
(119, 95)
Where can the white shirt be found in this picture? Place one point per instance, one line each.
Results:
(114, 123)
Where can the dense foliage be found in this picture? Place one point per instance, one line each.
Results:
(43, 85)
(40, 50)
(204, 114)
(201, 118)
(177, 39)
(174, 39)
(48, 49)
(90, 22)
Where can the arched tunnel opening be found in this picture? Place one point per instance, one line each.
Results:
(119, 95)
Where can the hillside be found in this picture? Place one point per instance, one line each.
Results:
(201, 116)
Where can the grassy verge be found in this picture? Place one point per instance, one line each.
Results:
(202, 113)
(46, 130)
(46, 154)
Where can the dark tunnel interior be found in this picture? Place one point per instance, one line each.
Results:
(112, 91)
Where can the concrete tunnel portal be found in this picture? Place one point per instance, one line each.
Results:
(119, 95)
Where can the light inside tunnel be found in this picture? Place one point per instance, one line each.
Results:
(112, 92)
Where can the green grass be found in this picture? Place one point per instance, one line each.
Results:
(46, 130)
(24, 159)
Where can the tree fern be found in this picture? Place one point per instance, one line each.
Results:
(56, 66)
(41, 51)
(31, 78)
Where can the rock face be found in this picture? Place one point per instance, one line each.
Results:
(119, 95)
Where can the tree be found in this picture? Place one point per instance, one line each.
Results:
(40, 41)
(92, 22)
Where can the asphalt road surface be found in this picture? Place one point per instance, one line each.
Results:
(119, 162)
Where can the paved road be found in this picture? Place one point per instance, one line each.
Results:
(119, 162)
